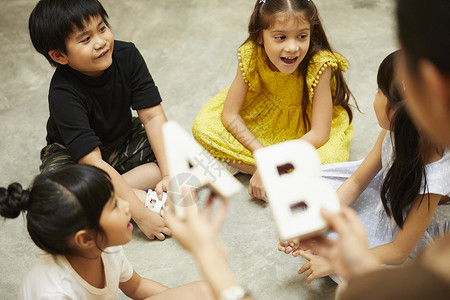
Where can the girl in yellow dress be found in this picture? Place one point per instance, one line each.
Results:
(289, 85)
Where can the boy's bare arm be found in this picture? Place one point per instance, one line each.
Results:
(153, 119)
(151, 223)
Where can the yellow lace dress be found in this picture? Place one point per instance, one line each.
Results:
(272, 109)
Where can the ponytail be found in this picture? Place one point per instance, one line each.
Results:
(13, 200)
(402, 183)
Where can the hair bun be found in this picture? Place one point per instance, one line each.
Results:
(13, 200)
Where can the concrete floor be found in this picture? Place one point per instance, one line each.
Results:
(190, 48)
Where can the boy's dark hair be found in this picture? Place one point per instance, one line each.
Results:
(52, 21)
(59, 204)
(423, 31)
(264, 15)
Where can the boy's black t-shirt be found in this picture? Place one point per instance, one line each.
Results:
(87, 112)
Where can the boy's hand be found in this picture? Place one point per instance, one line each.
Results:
(162, 186)
(152, 225)
(256, 188)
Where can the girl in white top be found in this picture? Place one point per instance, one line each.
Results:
(74, 215)
(406, 206)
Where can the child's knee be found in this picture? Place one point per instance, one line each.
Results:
(199, 131)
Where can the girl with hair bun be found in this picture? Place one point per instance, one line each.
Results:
(74, 215)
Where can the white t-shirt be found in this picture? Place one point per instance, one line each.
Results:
(52, 277)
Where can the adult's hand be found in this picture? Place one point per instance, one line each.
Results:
(198, 230)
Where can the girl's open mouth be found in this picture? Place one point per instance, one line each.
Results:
(289, 60)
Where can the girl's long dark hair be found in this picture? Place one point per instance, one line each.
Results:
(402, 183)
(263, 17)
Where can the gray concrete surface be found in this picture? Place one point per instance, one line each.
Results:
(190, 48)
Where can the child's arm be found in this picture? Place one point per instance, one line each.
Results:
(140, 288)
(352, 188)
(151, 223)
(233, 122)
(415, 225)
(322, 112)
(231, 117)
(153, 119)
(348, 256)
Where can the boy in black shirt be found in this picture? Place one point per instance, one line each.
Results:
(96, 81)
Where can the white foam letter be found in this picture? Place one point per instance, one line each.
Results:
(290, 172)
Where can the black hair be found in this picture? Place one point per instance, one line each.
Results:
(52, 21)
(263, 17)
(58, 204)
(403, 181)
(423, 32)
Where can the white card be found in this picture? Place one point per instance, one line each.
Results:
(153, 203)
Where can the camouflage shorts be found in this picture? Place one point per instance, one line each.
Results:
(124, 154)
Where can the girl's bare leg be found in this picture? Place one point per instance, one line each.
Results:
(246, 168)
